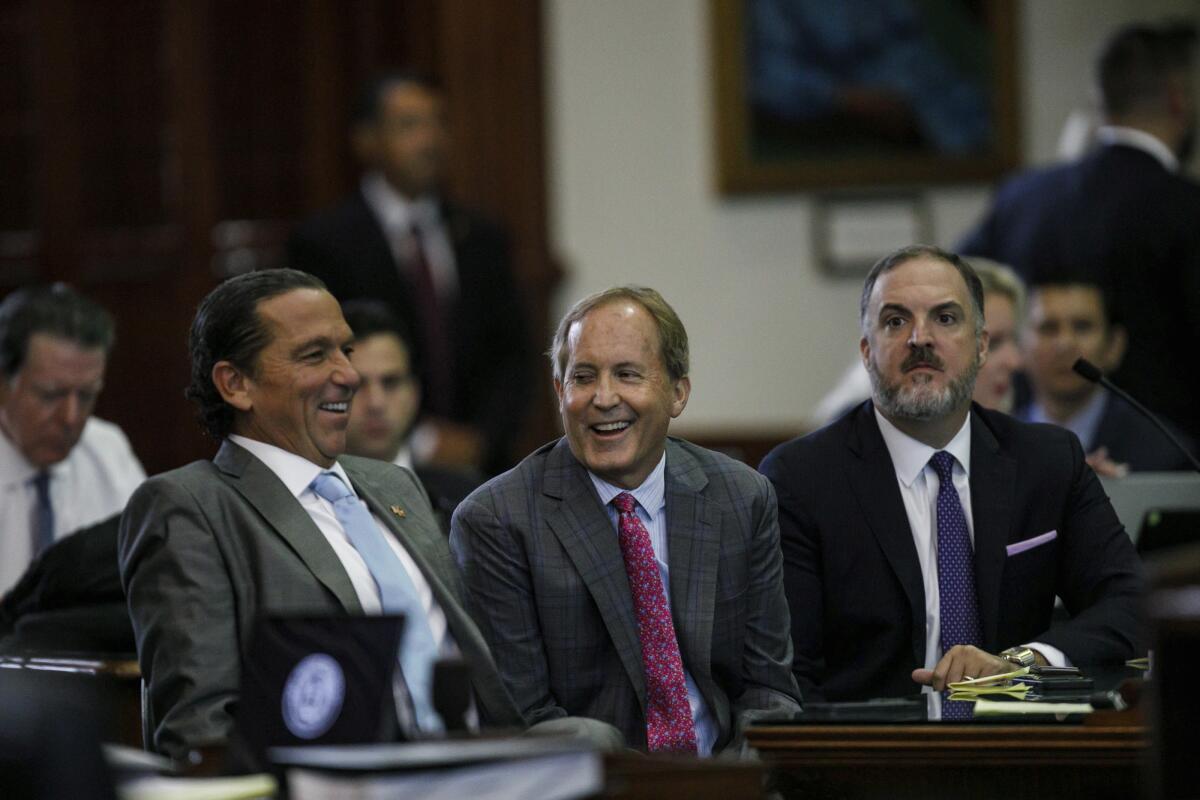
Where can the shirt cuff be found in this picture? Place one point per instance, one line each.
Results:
(1054, 656)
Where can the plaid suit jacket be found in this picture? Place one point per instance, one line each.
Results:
(548, 587)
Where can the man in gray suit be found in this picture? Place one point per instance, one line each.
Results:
(207, 548)
(622, 575)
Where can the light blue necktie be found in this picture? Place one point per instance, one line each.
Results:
(418, 651)
(43, 513)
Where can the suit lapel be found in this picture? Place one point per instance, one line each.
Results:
(873, 482)
(590, 541)
(279, 508)
(693, 552)
(993, 484)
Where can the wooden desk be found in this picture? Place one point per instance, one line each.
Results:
(111, 686)
(1099, 759)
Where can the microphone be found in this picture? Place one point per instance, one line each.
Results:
(1091, 372)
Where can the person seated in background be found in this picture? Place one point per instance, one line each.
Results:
(1072, 320)
(1004, 315)
(61, 469)
(925, 537)
(1123, 216)
(280, 521)
(623, 575)
(387, 402)
(1004, 311)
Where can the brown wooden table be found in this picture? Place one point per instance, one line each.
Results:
(1099, 758)
(109, 685)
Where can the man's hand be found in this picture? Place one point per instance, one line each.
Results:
(1104, 466)
(961, 662)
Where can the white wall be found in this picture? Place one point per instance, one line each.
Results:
(632, 199)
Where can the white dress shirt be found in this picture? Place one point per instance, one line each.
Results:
(90, 485)
(1139, 140)
(297, 474)
(397, 216)
(651, 509)
(919, 485)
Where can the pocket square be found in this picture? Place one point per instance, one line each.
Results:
(1029, 544)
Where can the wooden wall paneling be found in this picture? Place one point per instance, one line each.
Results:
(326, 168)
(18, 162)
(59, 151)
(491, 62)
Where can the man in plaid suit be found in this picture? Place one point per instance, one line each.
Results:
(623, 575)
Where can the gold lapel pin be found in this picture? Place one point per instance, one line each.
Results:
(398, 511)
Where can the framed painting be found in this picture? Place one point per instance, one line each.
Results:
(812, 94)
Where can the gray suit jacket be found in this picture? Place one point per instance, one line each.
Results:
(207, 548)
(549, 589)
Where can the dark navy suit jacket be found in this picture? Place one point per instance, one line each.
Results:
(1118, 218)
(853, 579)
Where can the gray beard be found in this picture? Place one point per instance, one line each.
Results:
(920, 403)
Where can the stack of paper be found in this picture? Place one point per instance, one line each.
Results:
(1002, 684)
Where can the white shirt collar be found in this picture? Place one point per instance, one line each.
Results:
(15, 469)
(650, 495)
(1139, 140)
(404, 457)
(395, 211)
(295, 471)
(909, 456)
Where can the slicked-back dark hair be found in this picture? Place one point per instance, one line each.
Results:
(369, 101)
(228, 327)
(57, 311)
(374, 317)
(906, 254)
(1137, 60)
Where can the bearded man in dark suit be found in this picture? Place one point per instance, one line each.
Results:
(925, 537)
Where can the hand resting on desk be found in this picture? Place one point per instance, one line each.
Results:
(965, 661)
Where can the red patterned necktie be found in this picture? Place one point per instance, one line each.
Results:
(668, 715)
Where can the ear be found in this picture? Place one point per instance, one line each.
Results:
(985, 340)
(558, 392)
(233, 386)
(1114, 353)
(680, 394)
(864, 349)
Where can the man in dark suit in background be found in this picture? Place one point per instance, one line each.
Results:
(1123, 217)
(441, 268)
(925, 537)
(387, 401)
(622, 575)
(281, 522)
(1068, 321)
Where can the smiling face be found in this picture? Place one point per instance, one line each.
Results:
(994, 386)
(45, 405)
(298, 397)
(616, 398)
(919, 345)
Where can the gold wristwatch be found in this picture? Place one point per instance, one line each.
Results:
(1019, 656)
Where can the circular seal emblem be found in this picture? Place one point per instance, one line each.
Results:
(313, 695)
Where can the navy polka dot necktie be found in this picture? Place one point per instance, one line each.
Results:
(959, 605)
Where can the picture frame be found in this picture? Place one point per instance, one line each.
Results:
(931, 99)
